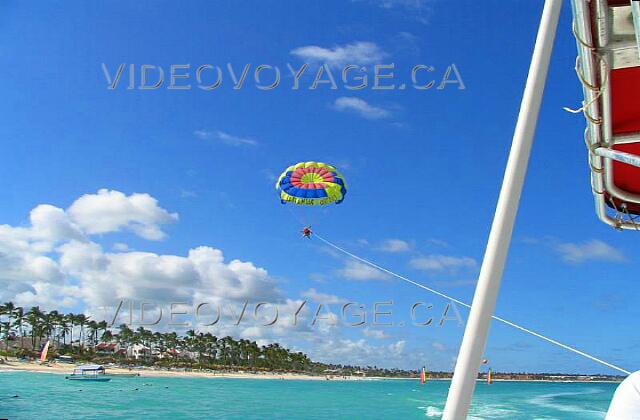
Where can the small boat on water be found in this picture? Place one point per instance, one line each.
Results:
(44, 352)
(94, 373)
(423, 375)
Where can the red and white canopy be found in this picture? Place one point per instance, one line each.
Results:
(608, 65)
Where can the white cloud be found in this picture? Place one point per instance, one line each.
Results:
(225, 138)
(51, 223)
(26, 266)
(438, 346)
(419, 10)
(437, 262)
(360, 107)
(119, 246)
(377, 334)
(397, 348)
(325, 298)
(188, 194)
(318, 277)
(593, 250)
(43, 294)
(409, 39)
(27, 275)
(329, 251)
(437, 242)
(409, 4)
(359, 352)
(356, 270)
(25, 263)
(395, 245)
(112, 211)
(358, 53)
(456, 283)
(201, 276)
(53, 262)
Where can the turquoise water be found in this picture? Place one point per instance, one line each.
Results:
(51, 396)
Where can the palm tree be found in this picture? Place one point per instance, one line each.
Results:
(48, 324)
(34, 319)
(254, 353)
(63, 323)
(172, 342)
(222, 349)
(92, 326)
(18, 315)
(7, 331)
(211, 346)
(81, 321)
(4, 330)
(124, 336)
(3, 311)
(189, 341)
(51, 323)
(8, 308)
(107, 336)
(143, 337)
(102, 325)
(71, 319)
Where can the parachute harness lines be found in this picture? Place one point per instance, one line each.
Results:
(459, 302)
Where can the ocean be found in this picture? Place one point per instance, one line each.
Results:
(42, 395)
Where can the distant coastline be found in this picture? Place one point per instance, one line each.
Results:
(62, 369)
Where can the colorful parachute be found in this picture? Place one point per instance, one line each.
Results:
(312, 184)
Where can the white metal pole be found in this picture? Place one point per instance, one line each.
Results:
(484, 300)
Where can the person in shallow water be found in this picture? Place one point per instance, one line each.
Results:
(625, 404)
(306, 232)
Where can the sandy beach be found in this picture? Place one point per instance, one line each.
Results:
(65, 369)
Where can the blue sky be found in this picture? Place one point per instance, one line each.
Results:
(423, 167)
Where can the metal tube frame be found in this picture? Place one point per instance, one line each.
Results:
(595, 65)
(628, 158)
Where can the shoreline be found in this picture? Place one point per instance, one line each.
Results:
(66, 369)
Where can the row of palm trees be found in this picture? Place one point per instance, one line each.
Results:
(38, 325)
(79, 335)
(207, 349)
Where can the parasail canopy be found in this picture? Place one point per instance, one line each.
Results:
(311, 184)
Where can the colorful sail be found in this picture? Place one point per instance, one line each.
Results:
(423, 375)
(311, 184)
(43, 353)
(489, 379)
